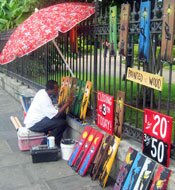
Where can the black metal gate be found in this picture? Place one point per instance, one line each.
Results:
(108, 73)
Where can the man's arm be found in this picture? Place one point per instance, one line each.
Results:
(64, 106)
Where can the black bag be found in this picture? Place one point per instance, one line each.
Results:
(43, 153)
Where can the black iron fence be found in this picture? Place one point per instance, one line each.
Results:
(108, 73)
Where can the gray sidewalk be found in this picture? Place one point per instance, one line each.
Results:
(17, 171)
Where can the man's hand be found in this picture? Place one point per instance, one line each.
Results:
(65, 105)
(70, 99)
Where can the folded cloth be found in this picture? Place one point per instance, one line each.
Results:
(23, 131)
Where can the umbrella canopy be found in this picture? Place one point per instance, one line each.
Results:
(43, 26)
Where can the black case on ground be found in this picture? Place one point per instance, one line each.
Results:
(42, 153)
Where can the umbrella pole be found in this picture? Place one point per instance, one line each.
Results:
(62, 56)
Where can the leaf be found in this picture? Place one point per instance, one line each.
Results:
(4, 3)
(3, 21)
(13, 12)
(18, 19)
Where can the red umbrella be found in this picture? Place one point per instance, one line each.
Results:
(42, 27)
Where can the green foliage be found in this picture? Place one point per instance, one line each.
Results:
(35, 69)
(13, 12)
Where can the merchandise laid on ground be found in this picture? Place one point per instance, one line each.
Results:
(96, 150)
(95, 153)
(140, 172)
(97, 147)
(96, 156)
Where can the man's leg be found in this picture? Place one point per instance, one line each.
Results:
(55, 127)
(58, 134)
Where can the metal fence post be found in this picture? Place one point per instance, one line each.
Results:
(95, 59)
(46, 61)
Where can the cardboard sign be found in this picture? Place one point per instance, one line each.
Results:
(157, 133)
(105, 112)
(144, 78)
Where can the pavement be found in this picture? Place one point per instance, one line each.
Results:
(17, 171)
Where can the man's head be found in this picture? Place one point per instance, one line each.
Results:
(52, 87)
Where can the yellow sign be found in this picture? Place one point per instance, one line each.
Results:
(144, 78)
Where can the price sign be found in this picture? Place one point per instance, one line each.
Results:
(157, 133)
(105, 112)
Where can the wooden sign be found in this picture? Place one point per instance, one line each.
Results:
(85, 100)
(79, 98)
(76, 89)
(73, 40)
(161, 178)
(145, 176)
(103, 177)
(113, 30)
(144, 78)
(105, 112)
(80, 157)
(125, 168)
(79, 145)
(92, 152)
(168, 30)
(134, 172)
(101, 156)
(61, 97)
(144, 38)
(119, 111)
(124, 25)
(157, 133)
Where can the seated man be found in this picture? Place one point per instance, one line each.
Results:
(55, 95)
(42, 116)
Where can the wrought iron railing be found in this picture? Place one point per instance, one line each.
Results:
(108, 73)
